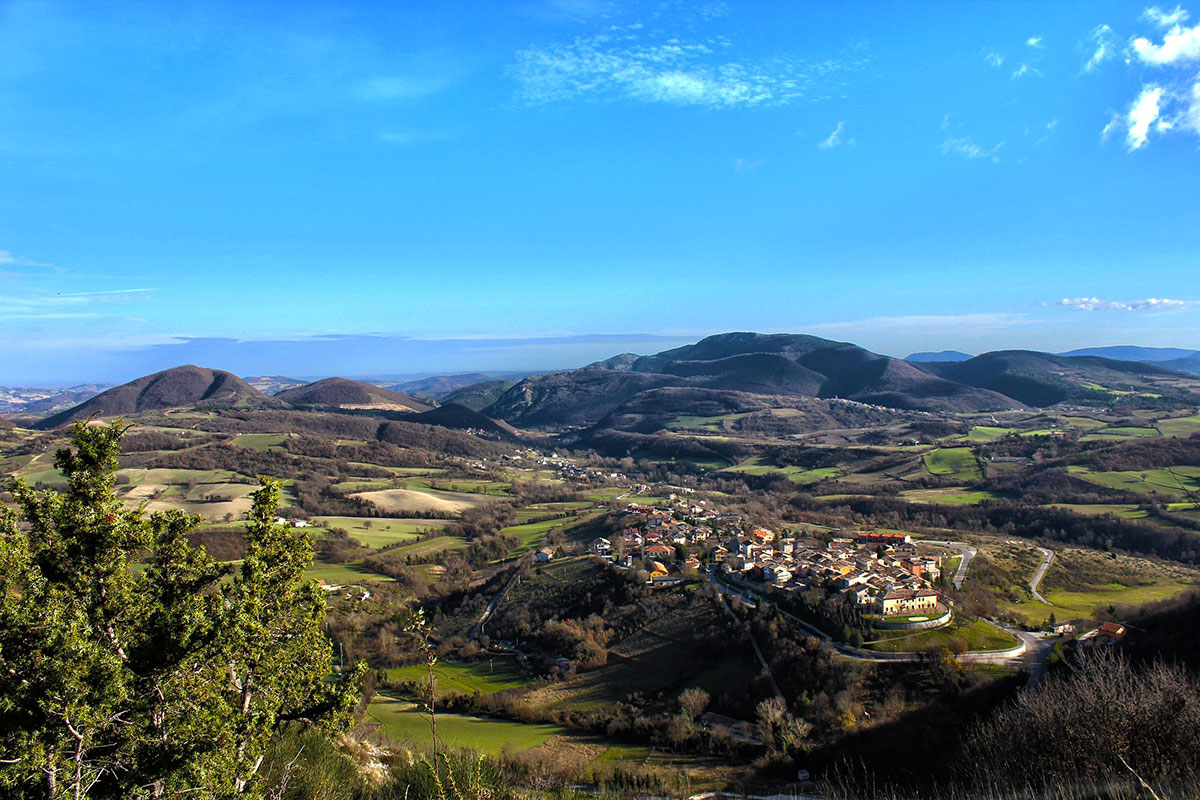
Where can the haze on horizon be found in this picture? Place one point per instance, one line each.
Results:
(342, 188)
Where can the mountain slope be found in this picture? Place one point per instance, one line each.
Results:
(478, 396)
(173, 388)
(1042, 379)
(1152, 355)
(793, 365)
(345, 393)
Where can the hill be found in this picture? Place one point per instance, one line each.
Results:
(440, 386)
(1042, 379)
(1190, 364)
(273, 384)
(790, 365)
(940, 355)
(1153, 355)
(478, 396)
(179, 387)
(457, 417)
(348, 394)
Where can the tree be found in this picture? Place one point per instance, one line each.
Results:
(692, 702)
(167, 681)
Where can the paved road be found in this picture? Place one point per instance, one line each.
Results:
(1047, 557)
(968, 553)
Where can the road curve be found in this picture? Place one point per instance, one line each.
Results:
(1047, 557)
(968, 553)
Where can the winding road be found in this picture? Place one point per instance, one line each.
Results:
(968, 552)
(1047, 557)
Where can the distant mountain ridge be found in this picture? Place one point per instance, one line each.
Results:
(940, 355)
(346, 393)
(775, 364)
(178, 387)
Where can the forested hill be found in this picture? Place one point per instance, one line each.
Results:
(178, 387)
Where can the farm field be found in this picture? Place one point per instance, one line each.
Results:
(1179, 426)
(761, 466)
(430, 546)
(260, 441)
(950, 497)
(398, 501)
(376, 532)
(401, 721)
(344, 574)
(484, 676)
(956, 462)
(1176, 481)
(976, 634)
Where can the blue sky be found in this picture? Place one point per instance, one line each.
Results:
(371, 188)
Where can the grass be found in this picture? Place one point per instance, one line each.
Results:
(401, 721)
(977, 634)
(988, 433)
(948, 497)
(381, 531)
(344, 574)
(1179, 426)
(759, 465)
(1173, 481)
(956, 462)
(260, 441)
(1117, 433)
(484, 677)
(434, 545)
(1100, 509)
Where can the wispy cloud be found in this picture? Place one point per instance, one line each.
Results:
(741, 165)
(995, 59)
(1150, 304)
(1169, 97)
(1165, 19)
(1104, 44)
(1034, 42)
(66, 305)
(835, 138)
(1026, 69)
(967, 148)
(632, 64)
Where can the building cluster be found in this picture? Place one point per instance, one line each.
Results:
(880, 571)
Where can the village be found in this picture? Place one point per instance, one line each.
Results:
(882, 573)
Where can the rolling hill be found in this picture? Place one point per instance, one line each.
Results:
(792, 365)
(178, 387)
(478, 396)
(1042, 379)
(348, 394)
(940, 355)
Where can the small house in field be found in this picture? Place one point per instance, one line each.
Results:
(544, 555)
(1110, 633)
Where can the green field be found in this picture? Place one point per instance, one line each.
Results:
(485, 677)
(1179, 426)
(1084, 604)
(344, 574)
(1117, 433)
(260, 441)
(1099, 509)
(977, 634)
(1176, 481)
(759, 465)
(401, 721)
(949, 497)
(379, 532)
(988, 433)
(955, 462)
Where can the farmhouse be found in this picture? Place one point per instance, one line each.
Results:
(906, 601)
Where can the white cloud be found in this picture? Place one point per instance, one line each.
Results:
(964, 146)
(1025, 69)
(1142, 114)
(1165, 19)
(1180, 45)
(1105, 42)
(994, 58)
(834, 139)
(1169, 101)
(1150, 304)
(1034, 41)
(628, 63)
